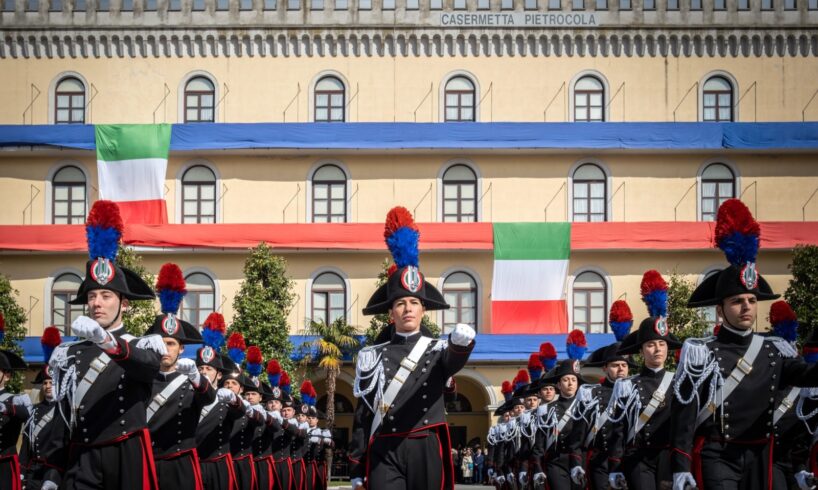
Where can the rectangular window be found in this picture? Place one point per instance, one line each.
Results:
(578, 4)
(650, 5)
(364, 4)
(790, 5)
(744, 4)
(695, 4)
(767, 5)
(602, 4)
(341, 4)
(813, 5)
(531, 4)
(484, 4)
(719, 5)
(8, 5)
(127, 6)
(293, 4)
(317, 4)
(79, 6)
(55, 6)
(554, 5)
(34, 5)
(624, 4)
(222, 4)
(197, 6)
(246, 5)
(673, 4)
(436, 4)
(507, 4)
(174, 5)
(388, 5)
(102, 5)
(412, 4)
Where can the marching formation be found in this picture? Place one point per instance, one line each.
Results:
(738, 412)
(125, 412)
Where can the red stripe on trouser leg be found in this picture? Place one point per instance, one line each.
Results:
(193, 457)
(149, 480)
(696, 463)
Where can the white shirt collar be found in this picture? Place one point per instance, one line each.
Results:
(741, 333)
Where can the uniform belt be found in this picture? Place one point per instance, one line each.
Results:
(742, 442)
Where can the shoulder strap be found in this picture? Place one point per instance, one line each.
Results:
(48, 417)
(656, 399)
(98, 365)
(5, 396)
(744, 366)
(407, 366)
(162, 397)
(206, 409)
(601, 420)
(786, 404)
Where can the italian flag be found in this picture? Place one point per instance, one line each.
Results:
(530, 271)
(132, 161)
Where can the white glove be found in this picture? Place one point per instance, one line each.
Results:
(188, 368)
(577, 475)
(256, 411)
(802, 478)
(246, 405)
(292, 422)
(327, 434)
(462, 335)
(681, 480)
(490, 473)
(356, 482)
(617, 481)
(539, 479)
(88, 328)
(510, 478)
(304, 426)
(49, 485)
(315, 437)
(523, 478)
(501, 480)
(276, 415)
(226, 396)
(22, 401)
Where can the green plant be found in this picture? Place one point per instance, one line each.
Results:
(15, 327)
(802, 292)
(140, 314)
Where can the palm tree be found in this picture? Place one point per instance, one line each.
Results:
(332, 342)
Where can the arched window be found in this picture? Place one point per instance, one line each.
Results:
(589, 100)
(198, 195)
(589, 302)
(460, 292)
(330, 100)
(718, 185)
(200, 99)
(342, 404)
(457, 403)
(69, 98)
(328, 298)
(459, 194)
(200, 300)
(64, 289)
(329, 195)
(460, 97)
(717, 100)
(68, 196)
(590, 194)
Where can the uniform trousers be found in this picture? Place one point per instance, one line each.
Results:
(10, 472)
(218, 473)
(558, 472)
(406, 463)
(647, 467)
(284, 472)
(123, 465)
(735, 466)
(265, 473)
(299, 474)
(180, 470)
(598, 470)
(245, 471)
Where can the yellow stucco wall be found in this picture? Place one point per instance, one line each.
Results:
(389, 89)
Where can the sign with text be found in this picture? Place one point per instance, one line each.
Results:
(518, 19)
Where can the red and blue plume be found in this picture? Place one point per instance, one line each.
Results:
(103, 229)
(576, 345)
(810, 354)
(402, 235)
(737, 233)
(49, 341)
(236, 348)
(507, 390)
(784, 321)
(285, 382)
(654, 293)
(521, 379)
(620, 319)
(2, 327)
(548, 355)
(170, 287)
(254, 361)
(213, 330)
(535, 366)
(273, 372)
(307, 391)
